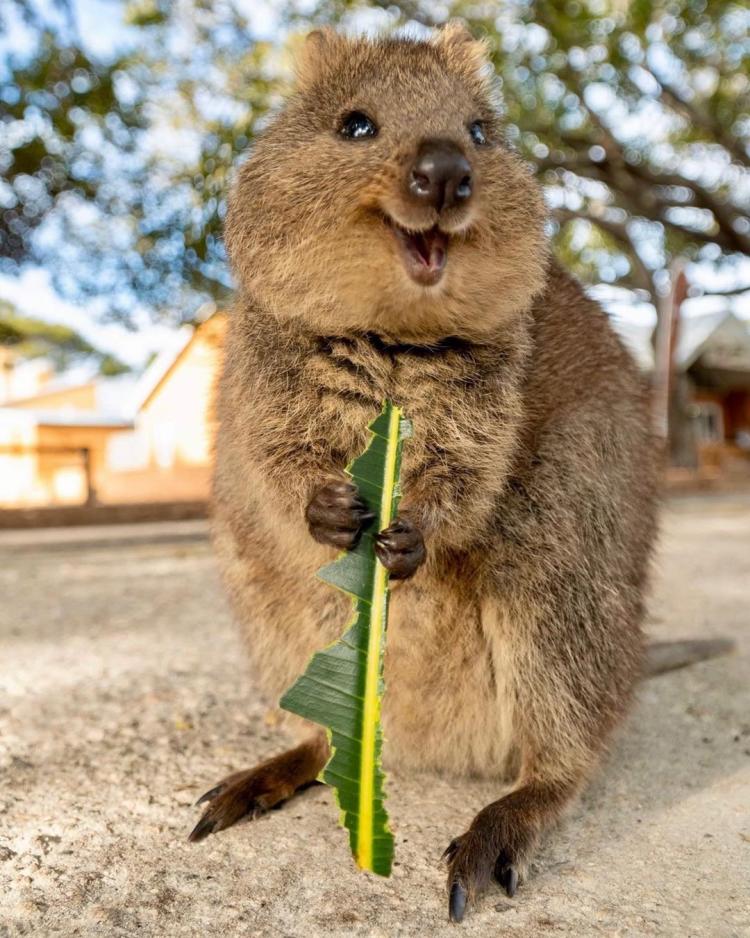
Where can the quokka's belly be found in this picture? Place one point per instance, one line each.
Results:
(448, 702)
(284, 612)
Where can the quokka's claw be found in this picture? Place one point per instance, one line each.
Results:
(400, 548)
(450, 850)
(202, 829)
(209, 795)
(507, 876)
(457, 902)
(336, 515)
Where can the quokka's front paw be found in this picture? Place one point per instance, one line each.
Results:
(337, 515)
(400, 548)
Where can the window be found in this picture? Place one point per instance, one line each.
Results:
(709, 422)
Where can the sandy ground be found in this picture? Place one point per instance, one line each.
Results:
(123, 696)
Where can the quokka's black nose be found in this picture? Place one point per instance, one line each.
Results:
(441, 175)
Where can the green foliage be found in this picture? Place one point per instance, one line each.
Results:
(111, 367)
(61, 345)
(61, 121)
(342, 687)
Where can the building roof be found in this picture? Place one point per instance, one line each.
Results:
(161, 366)
(72, 417)
(699, 334)
(117, 399)
(167, 360)
(113, 399)
(76, 418)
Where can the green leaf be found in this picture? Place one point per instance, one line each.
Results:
(342, 687)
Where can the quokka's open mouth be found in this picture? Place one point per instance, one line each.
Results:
(424, 253)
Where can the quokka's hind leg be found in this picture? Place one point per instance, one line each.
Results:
(572, 676)
(253, 791)
(500, 842)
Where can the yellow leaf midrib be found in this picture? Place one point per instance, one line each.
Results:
(371, 707)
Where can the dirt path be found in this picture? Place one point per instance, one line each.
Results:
(123, 696)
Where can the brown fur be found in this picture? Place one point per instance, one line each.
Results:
(304, 231)
(256, 790)
(513, 651)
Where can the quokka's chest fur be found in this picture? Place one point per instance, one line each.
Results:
(463, 400)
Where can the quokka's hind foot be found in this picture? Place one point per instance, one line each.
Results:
(268, 785)
(499, 843)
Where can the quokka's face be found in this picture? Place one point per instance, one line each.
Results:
(383, 196)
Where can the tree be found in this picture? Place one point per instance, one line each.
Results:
(115, 173)
(636, 116)
(64, 125)
(61, 345)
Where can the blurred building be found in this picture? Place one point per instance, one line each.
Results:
(54, 436)
(709, 417)
(92, 440)
(167, 454)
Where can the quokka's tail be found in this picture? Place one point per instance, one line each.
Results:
(668, 656)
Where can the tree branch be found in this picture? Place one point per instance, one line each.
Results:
(724, 214)
(700, 118)
(627, 178)
(636, 199)
(742, 291)
(618, 231)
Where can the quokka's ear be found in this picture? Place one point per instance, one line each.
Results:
(454, 32)
(463, 51)
(318, 48)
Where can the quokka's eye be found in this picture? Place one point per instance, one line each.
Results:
(357, 126)
(476, 131)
